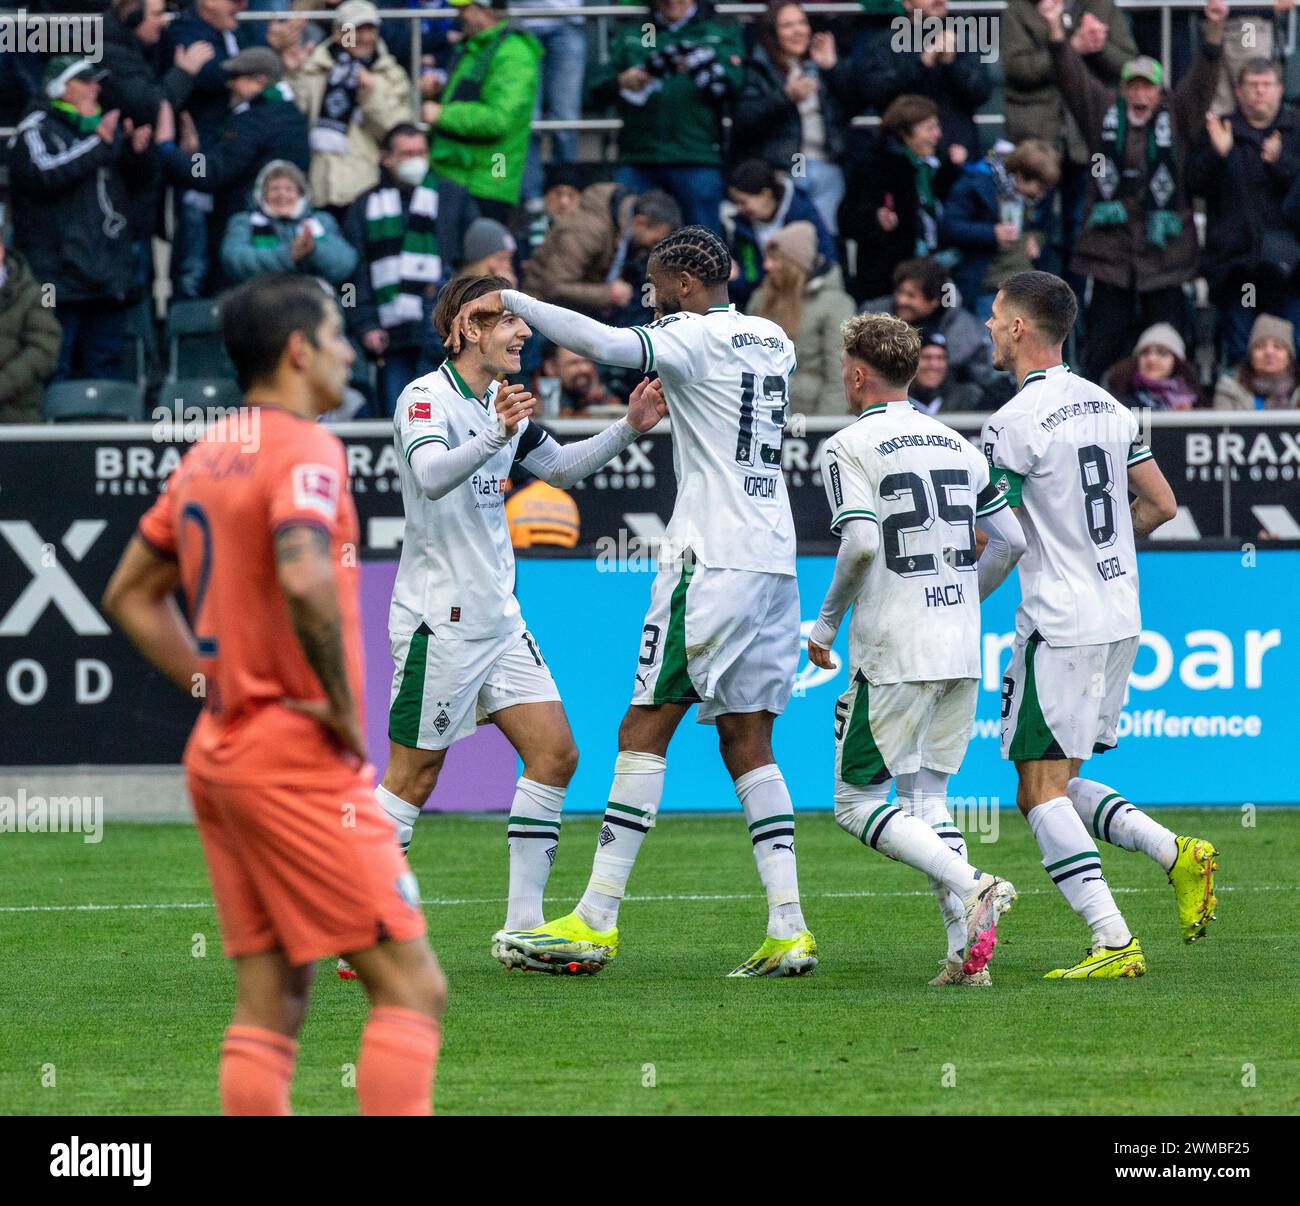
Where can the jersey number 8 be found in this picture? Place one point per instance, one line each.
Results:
(1098, 502)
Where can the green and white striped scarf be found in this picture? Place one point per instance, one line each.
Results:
(403, 252)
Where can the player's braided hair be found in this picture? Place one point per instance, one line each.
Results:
(696, 250)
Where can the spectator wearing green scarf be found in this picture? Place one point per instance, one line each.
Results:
(1138, 242)
(895, 193)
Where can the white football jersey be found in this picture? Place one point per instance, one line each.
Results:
(457, 572)
(726, 376)
(1060, 450)
(917, 618)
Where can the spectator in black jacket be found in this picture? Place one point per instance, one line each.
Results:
(892, 205)
(211, 23)
(72, 168)
(137, 84)
(1243, 165)
(956, 79)
(137, 81)
(791, 110)
(390, 318)
(264, 124)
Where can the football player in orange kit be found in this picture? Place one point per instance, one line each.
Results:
(258, 526)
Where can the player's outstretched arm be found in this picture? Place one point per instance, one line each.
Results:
(561, 465)
(1155, 503)
(859, 543)
(440, 469)
(1005, 546)
(141, 599)
(305, 569)
(566, 328)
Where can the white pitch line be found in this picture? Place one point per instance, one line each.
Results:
(496, 900)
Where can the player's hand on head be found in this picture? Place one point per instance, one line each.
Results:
(489, 303)
(820, 656)
(647, 405)
(344, 725)
(514, 404)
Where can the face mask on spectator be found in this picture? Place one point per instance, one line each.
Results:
(413, 171)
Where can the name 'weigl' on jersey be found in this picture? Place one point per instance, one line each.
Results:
(1061, 450)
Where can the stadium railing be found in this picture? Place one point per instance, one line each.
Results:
(602, 14)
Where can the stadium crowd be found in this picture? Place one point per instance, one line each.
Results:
(201, 150)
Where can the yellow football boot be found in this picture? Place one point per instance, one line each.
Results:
(565, 946)
(781, 957)
(1192, 876)
(1106, 963)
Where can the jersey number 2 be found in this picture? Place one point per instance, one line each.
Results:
(921, 517)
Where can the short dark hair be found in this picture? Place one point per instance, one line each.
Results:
(658, 209)
(753, 176)
(696, 250)
(887, 344)
(403, 129)
(258, 317)
(906, 112)
(1045, 300)
(1259, 65)
(457, 292)
(930, 274)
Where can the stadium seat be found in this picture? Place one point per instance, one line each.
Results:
(91, 400)
(140, 345)
(194, 345)
(203, 393)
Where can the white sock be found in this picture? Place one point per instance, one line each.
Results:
(1111, 818)
(633, 804)
(925, 796)
(533, 834)
(1072, 861)
(400, 813)
(868, 816)
(770, 816)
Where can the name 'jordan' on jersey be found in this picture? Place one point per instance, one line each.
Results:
(1061, 450)
(726, 376)
(457, 571)
(918, 616)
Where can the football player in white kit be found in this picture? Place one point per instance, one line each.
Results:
(1067, 455)
(907, 494)
(722, 631)
(461, 652)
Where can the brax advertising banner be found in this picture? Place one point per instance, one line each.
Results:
(73, 692)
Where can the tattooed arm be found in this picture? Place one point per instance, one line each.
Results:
(305, 569)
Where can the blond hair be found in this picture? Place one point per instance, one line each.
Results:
(887, 345)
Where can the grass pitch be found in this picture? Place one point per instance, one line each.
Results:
(119, 1008)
